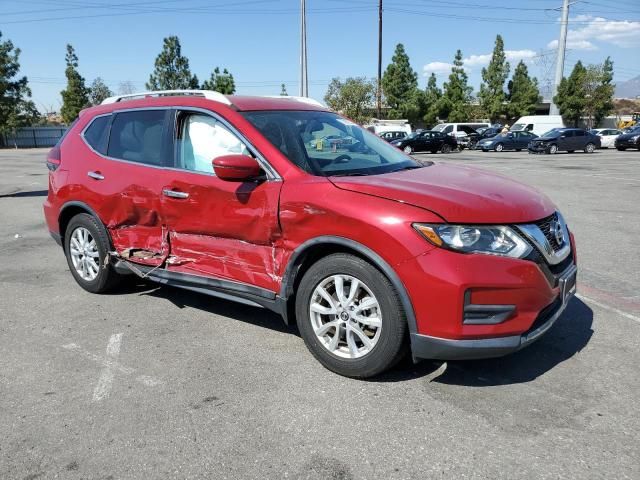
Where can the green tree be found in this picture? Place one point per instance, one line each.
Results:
(456, 95)
(76, 96)
(571, 96)
(432, 98)
(220, 82)
(400, 86)
(602, 98)
(523, 93)
(16, 110)
(351, 97)
(171, 68)
(283, 90)
(492, 95)
(98, 91)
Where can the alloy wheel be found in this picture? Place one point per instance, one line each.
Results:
(84, 254)
(345, 316)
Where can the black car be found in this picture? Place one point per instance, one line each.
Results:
(426, 141)
(629, 140)
(507, 141)
(565, 139)
(393, 135)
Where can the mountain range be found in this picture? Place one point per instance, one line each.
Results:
(628, 89)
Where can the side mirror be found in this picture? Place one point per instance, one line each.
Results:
(236, 168)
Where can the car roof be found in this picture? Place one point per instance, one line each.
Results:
(202, 98)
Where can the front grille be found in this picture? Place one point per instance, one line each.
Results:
(545, 226)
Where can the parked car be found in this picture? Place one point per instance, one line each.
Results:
(607, 136)
(629, 140)
(537, 124)
(565, 139)
(382, 126)
(507, 141)
(224, 195)
(459, 130)
(426, 141)
(393, 135)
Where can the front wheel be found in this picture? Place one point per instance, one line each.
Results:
(446, 148)
(553, 149)
(589, 148)
(86, 246)
(499, 147)
(350, 316)
(621, 149)
(408, 150)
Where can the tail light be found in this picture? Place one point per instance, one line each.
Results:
(54, 158)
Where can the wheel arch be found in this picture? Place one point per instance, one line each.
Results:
(312, 250)
(70, 210)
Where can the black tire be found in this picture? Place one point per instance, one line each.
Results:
(621, 149)
(390, 346)
(499, 147)
(434, 151)
(518, 149)
(408, 150)
(570, 151)
(446, 148)
(107, 277)
(553, 149)
(589, 148)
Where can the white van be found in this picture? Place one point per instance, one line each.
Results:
(459, 130)
(381, 126)
(537, 124)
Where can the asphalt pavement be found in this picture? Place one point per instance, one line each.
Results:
(154, 382)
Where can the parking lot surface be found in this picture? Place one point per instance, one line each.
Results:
(154, 382)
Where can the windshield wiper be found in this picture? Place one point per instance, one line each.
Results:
(350, 174)
(408, 167)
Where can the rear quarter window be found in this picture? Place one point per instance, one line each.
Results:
(97, 133)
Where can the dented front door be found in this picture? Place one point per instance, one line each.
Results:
(220, 229)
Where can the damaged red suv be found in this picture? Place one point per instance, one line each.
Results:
(283, 204)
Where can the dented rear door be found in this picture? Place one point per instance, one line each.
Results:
(125, 181)
(220, 229)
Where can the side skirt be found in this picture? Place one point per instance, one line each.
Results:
(216, 287)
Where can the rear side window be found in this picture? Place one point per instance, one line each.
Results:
(137, 136)
(96, 134)
(580, 133)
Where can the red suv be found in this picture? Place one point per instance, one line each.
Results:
(367, 250)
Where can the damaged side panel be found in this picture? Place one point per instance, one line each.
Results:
(225, 229)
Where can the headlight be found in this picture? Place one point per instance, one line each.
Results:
(494, 240)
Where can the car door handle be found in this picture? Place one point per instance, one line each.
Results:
(174, 194)
(96, 175)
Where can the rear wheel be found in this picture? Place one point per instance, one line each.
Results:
(446, 148)
(621, 149)
(350, 316)
(553, 149)
(518, 149)
(499, 147)
(589, 148)
(86, 246)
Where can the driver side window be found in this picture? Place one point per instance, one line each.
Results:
(201, 139)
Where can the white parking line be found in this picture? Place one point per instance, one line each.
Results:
(111, 366)
(604, 306)
(103, 388)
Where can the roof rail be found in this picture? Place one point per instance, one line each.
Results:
(307, 100)
(208, 94)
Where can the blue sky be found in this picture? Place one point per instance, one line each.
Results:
(258, 40)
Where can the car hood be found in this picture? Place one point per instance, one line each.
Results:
(457, 194)
(627, 136)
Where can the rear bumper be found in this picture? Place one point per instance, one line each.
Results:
(425, 346)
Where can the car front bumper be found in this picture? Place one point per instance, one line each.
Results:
(627, 144)
(538, 147)
(437, 348)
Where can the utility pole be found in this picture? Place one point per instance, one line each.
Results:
(562, 46)
(379, 89)
(304, 83)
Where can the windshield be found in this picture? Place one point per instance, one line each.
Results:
(439, 127)
(518, 127)
(324, 144)
(550, 134)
